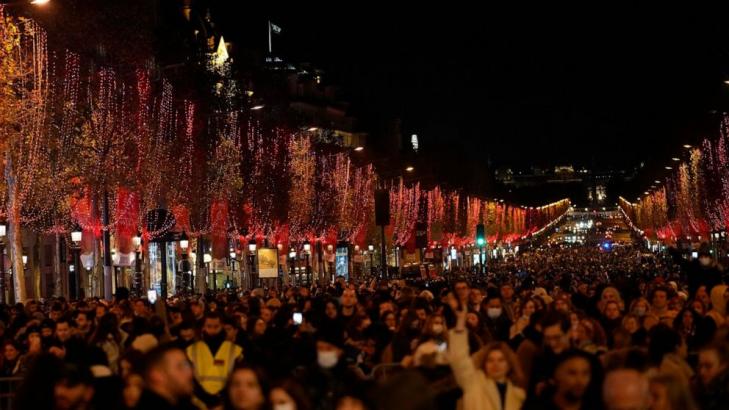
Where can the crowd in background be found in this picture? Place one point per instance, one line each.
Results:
(554, 328)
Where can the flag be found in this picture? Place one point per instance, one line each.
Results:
(274, 28)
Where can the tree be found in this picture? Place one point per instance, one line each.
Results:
(23, 103)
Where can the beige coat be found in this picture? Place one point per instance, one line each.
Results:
(479, 391)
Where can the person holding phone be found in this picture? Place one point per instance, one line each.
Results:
(491, 378)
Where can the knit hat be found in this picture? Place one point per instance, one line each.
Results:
(331, 335)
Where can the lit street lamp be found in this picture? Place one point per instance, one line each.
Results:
(137, 284)
(252, 255)
(207, 258)
(307, 252)
(233, 259)
(3, 232)
(185, 264)
(371, 248)
(74, 278)
(292, 263)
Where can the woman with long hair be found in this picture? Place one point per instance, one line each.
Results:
(491, 378)
(287, 394)
(527, 307)
(247, 389)
(108, 338)
(669, 393)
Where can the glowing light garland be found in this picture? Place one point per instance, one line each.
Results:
(136, 143)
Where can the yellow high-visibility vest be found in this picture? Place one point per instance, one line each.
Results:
(212, 372)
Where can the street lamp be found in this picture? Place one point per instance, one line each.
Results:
(186, 268)
(252, 255)
(184, 242)
(74, 278)
(40, 2)
(307, 251)
(233, 259)
(116, 268)
(207, 258)
(371, 249)
(410, 168)
(3, 232)
(292, 263)
(137, 242)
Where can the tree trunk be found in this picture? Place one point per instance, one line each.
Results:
(58, 288)
(200, 272)
(15, 236)
(108, 271)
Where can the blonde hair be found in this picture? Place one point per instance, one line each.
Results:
(677, 391)
(618, 298)
(515, 374)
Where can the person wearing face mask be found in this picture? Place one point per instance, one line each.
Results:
(432, 344)
(640, 307)
(213, 357)
(495, 319)
(491, 378)
(330, 376)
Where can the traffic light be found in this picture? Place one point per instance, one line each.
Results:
(480, 235)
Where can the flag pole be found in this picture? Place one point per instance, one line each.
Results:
(270, 50)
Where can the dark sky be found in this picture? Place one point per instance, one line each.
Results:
(622, 83)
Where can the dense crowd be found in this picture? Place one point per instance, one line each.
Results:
(554, 328)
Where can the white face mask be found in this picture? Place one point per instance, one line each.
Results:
(284, 406)
(493, 313)
(437, 329)
(327, 359)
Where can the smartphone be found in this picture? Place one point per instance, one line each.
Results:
(443, 347)
(298, 318)
(152, 296)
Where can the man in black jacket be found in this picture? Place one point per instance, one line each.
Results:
(169, 380)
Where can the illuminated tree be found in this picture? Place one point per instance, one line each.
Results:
(23, 100)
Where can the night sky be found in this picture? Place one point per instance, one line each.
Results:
(613, 86)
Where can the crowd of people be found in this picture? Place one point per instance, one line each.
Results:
(554, 328)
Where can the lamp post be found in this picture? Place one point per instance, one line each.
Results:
(233, 260)
(371, 248)
(74, 278)
(307, 252)
(320, 259)
(207, 258)
(252, 254)
(292, 263)
(3, 232)
(185, 264)
(115, 268)
(137, 283)
(163, 269)
(25, 262)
